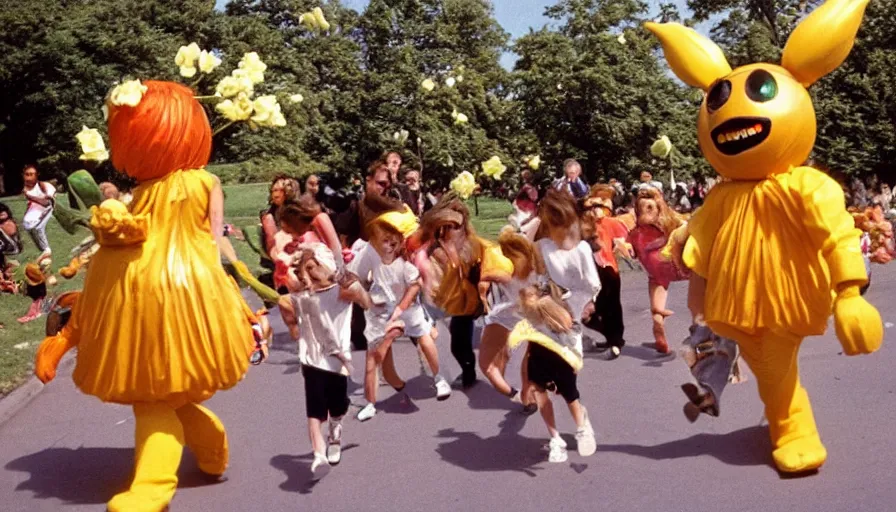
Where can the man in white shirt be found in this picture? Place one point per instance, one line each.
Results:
(41, 196)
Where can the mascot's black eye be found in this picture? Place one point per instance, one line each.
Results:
(718, 95)
(761, 86)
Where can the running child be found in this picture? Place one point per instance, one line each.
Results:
(322, 309)
(394, 287)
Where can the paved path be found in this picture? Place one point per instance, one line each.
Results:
(70, 452)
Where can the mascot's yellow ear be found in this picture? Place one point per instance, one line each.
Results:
(822, 41)
(696, 60)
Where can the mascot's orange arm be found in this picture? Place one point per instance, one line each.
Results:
(51, 351)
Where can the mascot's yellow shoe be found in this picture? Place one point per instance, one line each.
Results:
(800, 455)
(205, 436)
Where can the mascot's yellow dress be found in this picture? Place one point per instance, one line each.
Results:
(774, 248)
(159, 324)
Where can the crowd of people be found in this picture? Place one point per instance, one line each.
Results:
(394, 259)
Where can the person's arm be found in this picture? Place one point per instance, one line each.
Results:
(412, 278)
(269, 230)
(216, 219)
(323, 226)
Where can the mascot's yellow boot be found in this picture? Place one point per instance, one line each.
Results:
(159, 441)
(205, 436)
(795, 442)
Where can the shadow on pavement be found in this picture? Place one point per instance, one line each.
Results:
(298, 470)
(746, 447)
(90, 475)
(507, 451)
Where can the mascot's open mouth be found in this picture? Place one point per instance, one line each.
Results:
(737, 135)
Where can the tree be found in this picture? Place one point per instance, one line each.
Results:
(594, 90)
(58, 60)
(324, 128)
(457, 45)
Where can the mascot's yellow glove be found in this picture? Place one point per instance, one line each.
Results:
(49, 354)
(858, 324)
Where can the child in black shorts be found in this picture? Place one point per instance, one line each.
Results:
(321, 312)
(553, 359)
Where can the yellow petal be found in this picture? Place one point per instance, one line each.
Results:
(428, 84)
(129, 93)
(208, 62)
(188, 72)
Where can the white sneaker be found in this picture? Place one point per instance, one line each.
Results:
(334, 442)
(320, 467)
(443, 389)
(586, 441)
(369, 411)
(558, 450)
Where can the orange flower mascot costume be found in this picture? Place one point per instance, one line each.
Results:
(159, 324)
(773, 248)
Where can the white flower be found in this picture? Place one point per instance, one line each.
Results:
(559, 87)
(661, 148)
(621, 38)
(254, 68)
(129, 93)
(188, 72)
(459, 118)
(187, 55)
(296, 98)
(92, 146)
(238, 109)
(21, 346)
(267, 112)
(450, 82)
(400, 137)
(208, 62)
(230, 86)
(460, 78)
(428, 84)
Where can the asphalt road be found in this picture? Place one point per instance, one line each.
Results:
(67, 451)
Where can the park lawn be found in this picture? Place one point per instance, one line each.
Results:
(18, 342)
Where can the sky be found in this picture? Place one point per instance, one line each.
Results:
(516, 16)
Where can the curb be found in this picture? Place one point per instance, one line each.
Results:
(14, 402)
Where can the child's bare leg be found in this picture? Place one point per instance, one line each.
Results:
(384, 358)
(491, 351)
(318, 444)
(658, 296)
(428, 347)
(547, 411)
(578, 413)
(370, 377)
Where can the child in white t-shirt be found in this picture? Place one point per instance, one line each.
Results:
(320, 309)
(394, 286)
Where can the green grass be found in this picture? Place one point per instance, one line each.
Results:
(18, 342)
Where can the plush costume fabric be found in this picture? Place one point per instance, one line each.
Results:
(190, 337)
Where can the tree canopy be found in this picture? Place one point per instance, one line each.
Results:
(424, 77)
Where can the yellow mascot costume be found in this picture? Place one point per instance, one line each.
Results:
(159, 324)
(773, 248)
